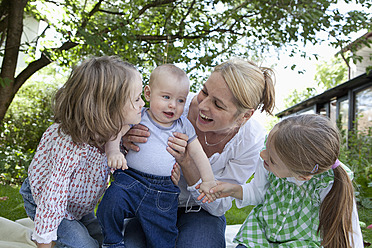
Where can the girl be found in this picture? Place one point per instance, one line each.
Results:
(69, 172)
(304, 196)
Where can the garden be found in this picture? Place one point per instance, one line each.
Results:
(30, 114)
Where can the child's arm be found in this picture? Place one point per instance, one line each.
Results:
(224, 189)
(39, 245)
(201, 160)
(115, 159)
(251, 193)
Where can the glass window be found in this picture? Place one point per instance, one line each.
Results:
(344, 114)
(363, 109)
(323, 110)
(332, 110)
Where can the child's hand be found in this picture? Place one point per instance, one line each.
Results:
(204, 188)
(117, 160)
(224, 189)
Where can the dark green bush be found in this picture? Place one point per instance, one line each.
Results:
(356, 152)
(29, 115)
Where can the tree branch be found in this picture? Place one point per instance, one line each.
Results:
(38, 64)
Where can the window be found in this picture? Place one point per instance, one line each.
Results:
(344, 114)
(363, 109)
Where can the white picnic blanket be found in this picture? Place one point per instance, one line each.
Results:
(17, 234)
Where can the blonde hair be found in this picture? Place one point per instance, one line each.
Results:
(170, 69)
(304, 141)
(90, 105)
(252, 86)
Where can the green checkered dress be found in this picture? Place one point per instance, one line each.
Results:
(289, 215)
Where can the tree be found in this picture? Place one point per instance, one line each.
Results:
(328, 75)
(147, 33)
(332, 73)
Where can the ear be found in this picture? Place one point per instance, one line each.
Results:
(305, 178)
(147, 92)
(247, 115)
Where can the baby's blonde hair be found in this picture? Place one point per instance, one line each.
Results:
(305, 142)
(90, 105)
(168, 69)
(252, 86)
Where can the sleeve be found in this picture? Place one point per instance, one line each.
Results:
(188, 129)
(216, 208)
(254, 191)
(237, 164)
(51, 187)
(357, 233)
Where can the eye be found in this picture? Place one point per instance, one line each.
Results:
(166, 97)
(181, 101)
(204, 92)
(218, 106)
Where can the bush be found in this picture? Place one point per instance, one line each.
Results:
(356, 152)
(29, 115)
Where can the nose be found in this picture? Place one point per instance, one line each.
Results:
(263, 154)
(204, 103)
(172, 104)
(142, 102)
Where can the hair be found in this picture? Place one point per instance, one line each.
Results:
(303, 141)
(90, 105)
(252, 86)
(168, 69)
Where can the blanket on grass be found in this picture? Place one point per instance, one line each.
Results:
(17, 234)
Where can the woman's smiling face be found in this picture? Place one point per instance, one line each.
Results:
(216, 106)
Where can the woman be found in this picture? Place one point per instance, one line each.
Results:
(221, 114)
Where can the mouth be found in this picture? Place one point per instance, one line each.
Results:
(204, 117)
(266, 165)
(169, 114)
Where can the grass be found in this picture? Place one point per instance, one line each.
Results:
(12, 206)
(12, 209)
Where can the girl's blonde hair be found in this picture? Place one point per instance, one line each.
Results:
(304, 141)
(252, 86)
(90, 105)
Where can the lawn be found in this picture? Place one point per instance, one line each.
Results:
(11, 207)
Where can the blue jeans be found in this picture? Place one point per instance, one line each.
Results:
(195, 229)
(85, 232)
(151, 199)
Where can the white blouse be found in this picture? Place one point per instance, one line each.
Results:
(66, 181)
(235, 164)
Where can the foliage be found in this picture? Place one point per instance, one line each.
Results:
(328, 75)
(28, 117)
(356, 152)
(298, 96)
(331, 73)
(198, 34)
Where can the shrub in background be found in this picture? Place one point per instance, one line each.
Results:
(356, 152)
(29, 115)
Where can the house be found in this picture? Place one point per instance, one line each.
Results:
(350, 102)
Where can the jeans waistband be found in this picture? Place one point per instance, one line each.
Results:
(153, 179)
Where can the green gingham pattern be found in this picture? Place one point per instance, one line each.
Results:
(289, 215)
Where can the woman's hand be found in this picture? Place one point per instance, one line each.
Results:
(138, 133)
(176, 174)
(177, 146)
